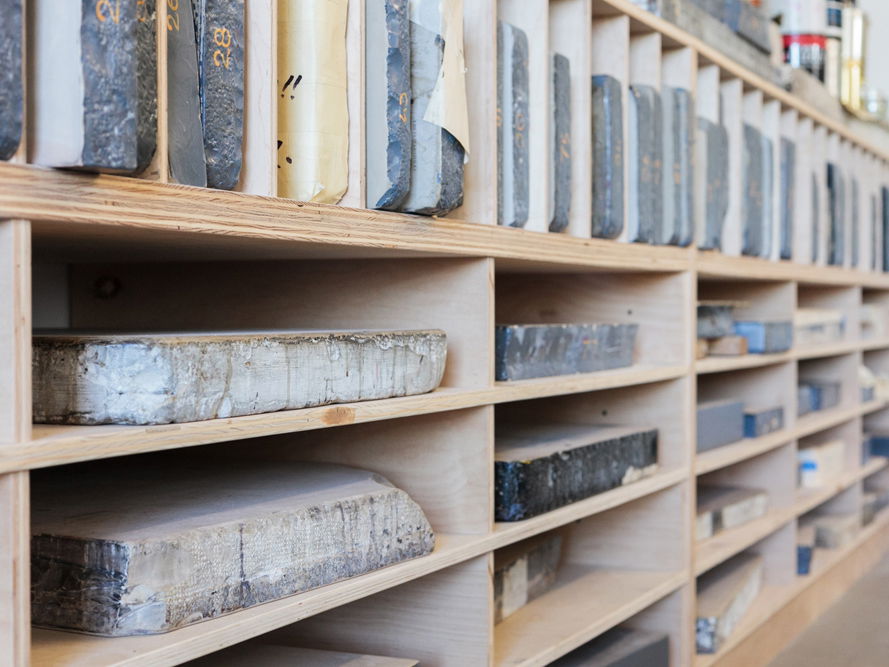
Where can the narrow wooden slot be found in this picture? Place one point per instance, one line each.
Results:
(779, 555)
(803, 210)
(734, 117)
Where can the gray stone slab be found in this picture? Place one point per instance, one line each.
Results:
(678, 136)
(768, 195)
(716, 320)
(722, 508)
(855, 222)
(561, 143)
(523, 572)
(526, 351)
(11, 86)
(513, 126)
(608, 157)
(836, 218)
(219, 28)
(761, 422)
(436, 156)
(194, 541)
(719, 423)
(753, 202)
(753, 25)
(769, 337)
(788, 196)
(186, 137)
(805, 400)
(645, 147)
(724, 595)
(621, 647)
(171, 378)
(540, 467)
(146, 64)
(816, 218)
(884, 192)
(874, 231)
(713, 168)
(387, 44)
(822, 394)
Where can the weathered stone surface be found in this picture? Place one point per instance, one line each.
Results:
(11, 86)
(436, 156)
(821, 464)
(146, 64)
(727, 346)
(836, 240)
(562, 150)
(513, 124)
(715, 319)
(713, 166)
(621, 647)
(788, 196)
(645, 221)
(169, 378)
(678, 138)
(758, 423)
(542, 350)
(186, 137)
(833, 531)
(816, 218)
(822, 395)
(540, 467)
(753, 203)
(265, 655)
(523, 572)
(855, 222)
(387, 44)
(725, 507)
(725, 593)
(219, 27)
(719, 423)
(768, 196)
(608, 157)
(766, 337)
(805, 546)
(195, 541)
(753, 25)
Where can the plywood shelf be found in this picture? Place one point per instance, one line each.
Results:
(742, 450)
(725, 364)
(809, 499)
(717, 549)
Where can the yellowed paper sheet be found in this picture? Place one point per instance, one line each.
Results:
(313, 114)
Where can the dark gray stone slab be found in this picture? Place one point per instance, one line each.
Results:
(753, 203)
(816, 217)
(645, 147)
(193, 541)
(678, 137)
(836, 240)
(719, 423)
(526, 351)
(146, 63)
(561, 127)
(715, 172)
(186, 137)
(724, 594)
(11, 86)
(762, 422)
(766, 337)
(716, 320)
(543, 466)
(387, 41)
(608, 157)
(524, 572)
(514, 117)
(855, 222)
(788, 195)
(219, 28)
(621, 647)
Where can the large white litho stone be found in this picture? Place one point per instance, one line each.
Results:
(190, 542)
(169, 378)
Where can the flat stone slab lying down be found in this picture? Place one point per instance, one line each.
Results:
(186, 543)
(171, 378)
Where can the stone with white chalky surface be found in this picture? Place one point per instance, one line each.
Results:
(817, 326)
(758, 423)
(646, 148)
(726, 507)
(387, 49)
(753, 210)
(561, 148)
(621, 647)
(513, 124)
(836, 242)
(146, 62)
(608, 157)
(766, 337)
(719, 423)
(12, 99)
(724, 595)
(788, 196)
(267, 655)
(712, 149)
(523, 572)
(194, 541)
(172, 378)
(678, 136)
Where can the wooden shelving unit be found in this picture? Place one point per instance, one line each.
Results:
(199, 258)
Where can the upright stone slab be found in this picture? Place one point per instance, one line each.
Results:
(185, 134)
(190, 542)
(678, 167)
(146, 63)
(805, 399)
(621, 647)
(878, 444)
(874, 232)
(526, 351)
(11, 99)
(251, 654)
(608, 157)
(561, 143)
(716, 319)
(719, 423)
(436, 155)
(836, 209)
(821, 463)
(816, 218)
(513, 121)
(788, 196)
(769, 337)
(83, 94)
(170, 378)
(768, 196)
(758, 423)
(753, 203)
(722, 508)
(724, 595)
(855, 222)
(543, 466)
(805, 545)
(219, 26)
(645, 221)
(523, 572)
(387, 102)
(712, 165)
(884, 192)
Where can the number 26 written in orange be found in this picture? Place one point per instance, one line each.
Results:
(173, 16)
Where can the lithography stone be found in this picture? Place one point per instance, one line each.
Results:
(714, 169)
(678, 171)
(823, 395)
(186, 137)
(724, 595)
(805, 399)
(524, 572)
(879, 444)
(541, 467)
(874, 231)
(855, 222)
(561, 172)
(251, 654)
(788, 196)
(219, 27)
(171, 378)
(725, 507)
(836, 210)
(387, 43)
(621, 647)
(194, 541)
(146, 63)
(884, 193)
(719, 423)
(833, 531)
(436, 155)
(768, 194)
(513, 185)
(816, 217)
(805, 546)
(608, 157)
(766, 337)
(646, 165)
(11, 86)
(752, 205)
(716, 319)
(762, 422)
(543, 350)
(820, 464)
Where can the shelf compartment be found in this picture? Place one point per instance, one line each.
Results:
(725, 364)
(728, 455)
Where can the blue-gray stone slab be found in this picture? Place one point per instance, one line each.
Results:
(766, 337)
(884, 193)
(836, 215)
(768, 195)
(186, 137)
(513, 120)
(816, 217)
(805, 400)
(719, 423)
(824, 395)
(11, 86)
(678, 175)
(715, 172)
(753, 203)
(645, 222)
(608, 157)
(855, 222)
(788, 194)
(561, 136)
(762, 422)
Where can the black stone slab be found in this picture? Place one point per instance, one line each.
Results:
(524, 571)
(645, 222)
(545, 350)
(562, 150)
(146, 64)
(836, 220)
(788, 195)
(621, 647)
(678, 172)
(513, 122)
(719, 423)
(762, 422)
(716, 320)
(753, 202)
(608, 157)
(11, 86)
(715, 173)
(540, 467)
(219, 29)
